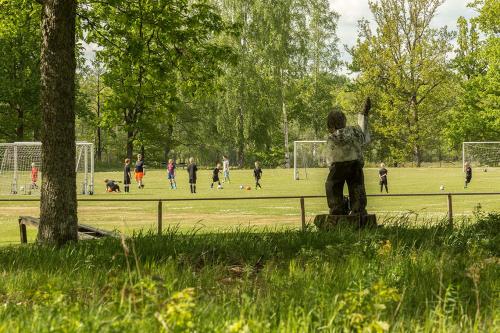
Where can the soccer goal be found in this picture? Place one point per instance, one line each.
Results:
(18, 159)
(481, 154)
(306, 155)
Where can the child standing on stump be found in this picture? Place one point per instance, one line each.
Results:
(382, 174)
(345, 160)
(468, 174)
(126, 175)
(192, 169)
(257, 173)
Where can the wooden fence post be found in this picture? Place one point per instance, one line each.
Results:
(450, 210)
(22, 232)
(303, 213)
(160, 215)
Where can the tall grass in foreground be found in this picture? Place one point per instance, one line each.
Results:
(428, 279)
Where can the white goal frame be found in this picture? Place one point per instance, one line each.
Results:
(295, 166)
(464, 158)
(84, 154)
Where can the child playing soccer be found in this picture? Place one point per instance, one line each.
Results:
(257, 173)
(382, 174)
(225, 168)
(111, 186)
(215, 176)
(192, 169)
(126, 175)
(468, 174)
(171, 174)
(140, 171)
(34, 176)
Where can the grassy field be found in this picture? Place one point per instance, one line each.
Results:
(397, 279)
(219, 215)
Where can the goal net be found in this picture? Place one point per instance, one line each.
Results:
(481, 154)
(21, 167)
(308, 155)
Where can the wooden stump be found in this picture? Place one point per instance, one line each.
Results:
(329, 222)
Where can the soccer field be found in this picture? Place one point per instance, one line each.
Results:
(129, 216)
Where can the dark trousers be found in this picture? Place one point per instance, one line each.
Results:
(350, 172)
(382, 184)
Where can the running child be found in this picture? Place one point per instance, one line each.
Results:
(34, 176)
(111, 186)
(192, 169)
(468, 174)
(126, 175)
(140, 171)
(171, 174)
(215, 176)
(257, 173)
(382, 174)
(225, 168)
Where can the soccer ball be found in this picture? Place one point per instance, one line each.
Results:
(219, 187)
(241, 187)
(441, 187)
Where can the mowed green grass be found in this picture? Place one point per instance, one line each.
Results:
(129, 216)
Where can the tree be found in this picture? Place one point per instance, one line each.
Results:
(147, 48)
(58, 207)
(404, 60)
(19, 70)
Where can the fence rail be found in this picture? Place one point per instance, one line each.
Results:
(302, 198)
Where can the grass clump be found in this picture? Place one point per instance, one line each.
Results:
(399, 279)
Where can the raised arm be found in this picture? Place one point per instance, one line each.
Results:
(363, 120)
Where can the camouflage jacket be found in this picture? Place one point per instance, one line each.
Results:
(346, 144)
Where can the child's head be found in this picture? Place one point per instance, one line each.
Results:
(467, 164)
(382, 165)
(224, 157)
(336, 119)
(127, 161)
(139, 157)
(191, 160)
(257, 164)
(170, 161)
(106, 180)
(218, 165)
(33, 164)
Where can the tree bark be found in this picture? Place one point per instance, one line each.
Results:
(241, 139)
(130, 144)
(58, 206)
(20, 123)
(99, 144)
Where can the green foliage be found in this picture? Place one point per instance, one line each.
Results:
(403, 65)
(19, 70)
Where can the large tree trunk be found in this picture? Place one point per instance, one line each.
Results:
(417, 150)
(58, 207)
(285, 132)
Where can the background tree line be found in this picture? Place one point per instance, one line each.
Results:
(248, 77)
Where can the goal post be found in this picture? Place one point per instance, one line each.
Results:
(18, 158)
(307, 154)
(481, 154)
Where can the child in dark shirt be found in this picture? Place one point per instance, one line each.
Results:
(215, 176)
(192, 169)
(257, 173)
(111, 186)
(382, 174)
(126, 175)
(468, 174)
